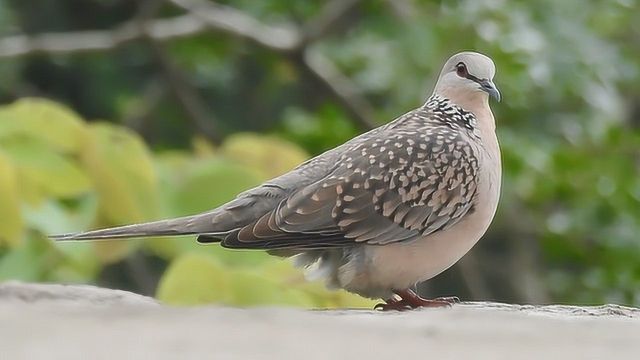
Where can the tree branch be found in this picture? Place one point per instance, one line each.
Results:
(340, 87)
(180, 87)
(136, 116)
(332, 14)
(296, 43)
(188, 98)
(287, 40)
(279, 38)
(100, 40)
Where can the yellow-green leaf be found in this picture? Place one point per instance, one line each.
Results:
(111, 251)
(11, 224)
(195, 279)
(200, 279)
(124, 177)
(202, 147)
(210, 183)
(251, 288)
(315, 290)
(43, 120)
(43, 172)
(189, 186)
(122, 171)
(270, 155)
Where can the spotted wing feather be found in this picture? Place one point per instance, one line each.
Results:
(410, 182)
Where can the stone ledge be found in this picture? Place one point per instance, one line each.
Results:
(15, 291)
(77, 322)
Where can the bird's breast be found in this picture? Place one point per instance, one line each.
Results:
(401, 265)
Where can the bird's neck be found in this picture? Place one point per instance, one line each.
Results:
(476, 103)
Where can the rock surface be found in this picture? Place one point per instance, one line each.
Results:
(84, 322)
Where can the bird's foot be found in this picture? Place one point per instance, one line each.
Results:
(410, 300)
(393, 304)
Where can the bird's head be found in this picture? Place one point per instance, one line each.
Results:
(467, 76)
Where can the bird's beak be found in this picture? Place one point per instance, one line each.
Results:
(490, 88)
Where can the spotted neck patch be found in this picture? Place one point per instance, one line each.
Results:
(445, 111)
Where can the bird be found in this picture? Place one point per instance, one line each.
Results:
(390, 208)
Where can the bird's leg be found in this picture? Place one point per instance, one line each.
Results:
(410, 300)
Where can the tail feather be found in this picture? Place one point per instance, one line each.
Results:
(189, 225)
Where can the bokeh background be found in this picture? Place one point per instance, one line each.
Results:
(119, 111)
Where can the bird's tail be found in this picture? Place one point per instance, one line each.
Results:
(188, 225)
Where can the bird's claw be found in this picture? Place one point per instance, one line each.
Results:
(403, 305)
(409, 300)
(397, 306)
(448, 299)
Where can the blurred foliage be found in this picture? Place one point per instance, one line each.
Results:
(83, 175)
(569, 124)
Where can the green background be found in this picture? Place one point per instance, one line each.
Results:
(118, 111)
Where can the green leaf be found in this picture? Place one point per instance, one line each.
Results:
(22, 263)
(39, 259)
(51, 217)
(77, 261)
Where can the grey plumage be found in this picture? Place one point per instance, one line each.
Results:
(403, 182)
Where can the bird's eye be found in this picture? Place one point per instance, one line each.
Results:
(461, 70)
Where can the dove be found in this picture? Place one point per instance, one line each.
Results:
(388, 209)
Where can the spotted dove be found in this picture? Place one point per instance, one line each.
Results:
(392, 207)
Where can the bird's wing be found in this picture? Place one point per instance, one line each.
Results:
(410, 181)
(248, 206)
